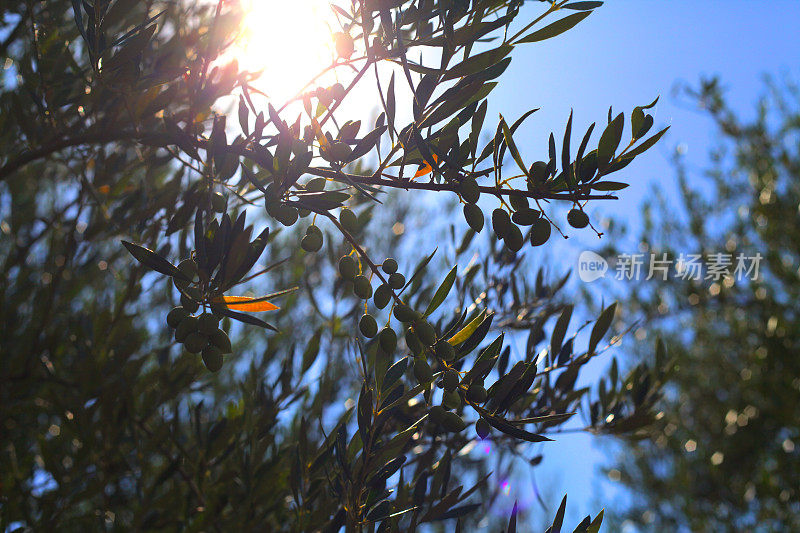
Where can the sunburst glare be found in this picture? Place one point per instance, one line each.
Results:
(289, 40)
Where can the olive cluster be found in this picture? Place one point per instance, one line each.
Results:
(200, 334)
(189, 288)
(506, 227)
(470, 193)
(455, 390)
(420, 337)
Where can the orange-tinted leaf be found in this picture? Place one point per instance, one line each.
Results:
(426, 168)
(318, 133)
(246, 303)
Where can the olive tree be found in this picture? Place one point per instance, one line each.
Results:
(127, 191)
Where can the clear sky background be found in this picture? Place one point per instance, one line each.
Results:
(625, 54)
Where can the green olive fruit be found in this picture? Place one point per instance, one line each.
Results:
(345, 46)
(194, 293)
(519, 203)
(348, 267)
(287, 215)
(176, 316)
(444, 350)
(476, 393)
(190, 305)
(208, 323)
(314, 230)
(362, 287)
(437, 413)
(368, 326)
(525, 217)
(451, 400)
(474, 217)
(221, 340)
(212, 358)
(514, 238)
(577, 218)
(189, 269)
(469, 190)
(218, 202)
(383, 294)
(413, 342)
(388, 340)
(404, 313)
(181, 284)
(482, 428)
(338, 91)
(273, 206)
(340, 151)
(450, 380)
(453, 423)
(188, 325)
(349, 220)
(389, 265)
(397, 280)
(539, 172)
(425, 332)
(540, 232)
(311, 242)
(195, 342)
(316, 184)
(500, 222)
(422, 370)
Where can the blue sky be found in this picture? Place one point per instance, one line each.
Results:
(625, 54)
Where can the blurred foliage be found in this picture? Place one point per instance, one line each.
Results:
(125, 192)
(725, 455)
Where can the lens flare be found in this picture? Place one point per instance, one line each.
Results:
(290, 41)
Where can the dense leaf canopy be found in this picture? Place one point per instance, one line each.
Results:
(126, 190)
(724, 454)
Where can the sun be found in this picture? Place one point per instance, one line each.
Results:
(290, 41)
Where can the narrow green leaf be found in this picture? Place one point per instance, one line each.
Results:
(556, 28)
(594, 527)
(442, 291)
(609, 186)
(478, 62)
(559, 520)
(153, 261)
(512, 147)
(566, 160)
(311, 351)
(601, 327)
(609, 141)
(646, 145)
(394, 373)
(512, 521)
(582, 6)
(560, 330)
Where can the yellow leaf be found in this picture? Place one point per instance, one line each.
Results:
(468, 330)
(246, 303)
